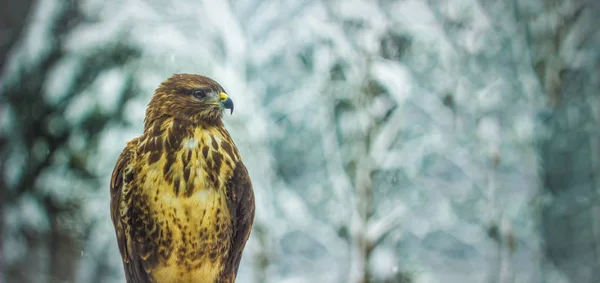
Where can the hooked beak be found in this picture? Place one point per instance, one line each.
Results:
(226, 102)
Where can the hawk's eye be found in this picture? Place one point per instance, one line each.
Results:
(199, 93)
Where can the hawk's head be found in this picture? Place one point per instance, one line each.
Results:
(191, 97)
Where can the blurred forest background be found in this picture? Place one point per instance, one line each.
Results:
(388, 141)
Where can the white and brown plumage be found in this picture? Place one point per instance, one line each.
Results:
(181, 199)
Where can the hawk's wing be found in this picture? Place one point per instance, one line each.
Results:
(240, 200)
(121, 194)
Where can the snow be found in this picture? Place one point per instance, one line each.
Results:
(384, 264)
(489, 130)
(389, 222)
(80, 108)
(228, 26)
(33, 214)
(311, 137)
(60, 79)
(110, 89)
(394, 77)
(12, 237)
(14, 173)
(38, 40)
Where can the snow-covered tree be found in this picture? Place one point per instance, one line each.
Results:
(387, 141)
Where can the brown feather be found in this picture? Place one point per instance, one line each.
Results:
(240, 200)
(181, 199)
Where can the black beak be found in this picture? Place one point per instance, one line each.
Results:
(228, 104)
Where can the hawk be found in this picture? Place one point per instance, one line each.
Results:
(182, 202)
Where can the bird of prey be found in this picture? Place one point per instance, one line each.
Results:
(182, 202)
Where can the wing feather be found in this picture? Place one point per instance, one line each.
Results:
(122, 186)
(240, 200)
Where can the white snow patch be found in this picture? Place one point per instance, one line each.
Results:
(36, 42)
(135, 111)
(33, 214)
(109, 86)
(386, 223)
(294, 207)
(492, 96)
(358, 9)
(415, 13)
(7, 119)
(419, 227)
(15, 244)
(474, 38)
(111, 142)
(14, 172)
(384, 264)
(62, 184)
(386, 137)
(395, 77)
(443, 214)
(116, 25)
(60, 79)
(38, 37)
(230, 29)
(79, 108)
(523, 127)
(489, 130)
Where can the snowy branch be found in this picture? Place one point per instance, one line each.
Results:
(379, 228)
